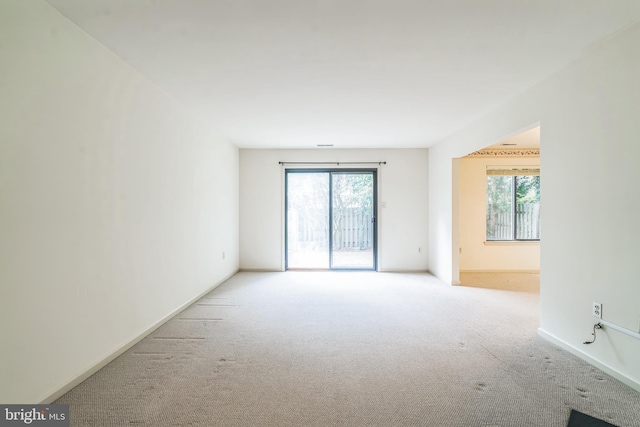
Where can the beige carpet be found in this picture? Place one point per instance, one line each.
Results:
(352, 349)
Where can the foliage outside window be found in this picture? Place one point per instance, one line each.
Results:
(513, 204)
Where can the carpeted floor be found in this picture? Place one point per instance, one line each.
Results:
(352, 349)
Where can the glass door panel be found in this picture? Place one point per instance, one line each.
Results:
(308, 220)
(353, 221)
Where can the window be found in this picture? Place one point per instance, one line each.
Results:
(513, 204)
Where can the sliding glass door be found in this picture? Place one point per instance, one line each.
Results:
(330, 219)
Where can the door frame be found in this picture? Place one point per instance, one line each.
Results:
(330, 171)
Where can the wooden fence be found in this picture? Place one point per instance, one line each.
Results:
(527, 217)
(352, 229)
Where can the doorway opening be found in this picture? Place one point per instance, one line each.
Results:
(330, 219)
(497, 211)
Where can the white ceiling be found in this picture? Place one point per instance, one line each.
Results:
(353, 73)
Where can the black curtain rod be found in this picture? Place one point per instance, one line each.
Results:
(332, 163)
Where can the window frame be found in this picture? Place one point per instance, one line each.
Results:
(512, 172)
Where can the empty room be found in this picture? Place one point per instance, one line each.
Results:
(327, 213)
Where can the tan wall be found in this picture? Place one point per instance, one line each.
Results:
(475, 253)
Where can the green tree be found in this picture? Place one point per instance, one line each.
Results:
(527, 189)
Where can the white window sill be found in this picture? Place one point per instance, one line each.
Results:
(512, 243)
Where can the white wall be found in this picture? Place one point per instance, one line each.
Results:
(475, 254)
(402, 184)
(115, 204)
(589, 197)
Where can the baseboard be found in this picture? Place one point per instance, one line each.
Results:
(402, 270)
(603, 367)
(448, 282)
(501, 271)
(82, 376)
(382, 270)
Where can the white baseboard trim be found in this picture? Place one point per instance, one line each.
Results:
(501, 271)
(603, 367)
(381, 270)
(104, 361)
(448, 282)
(401, 270)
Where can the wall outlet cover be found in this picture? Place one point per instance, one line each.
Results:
(596, 310)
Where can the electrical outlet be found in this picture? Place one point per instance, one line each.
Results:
(419, 248)
(223, 254)
(596, 310)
